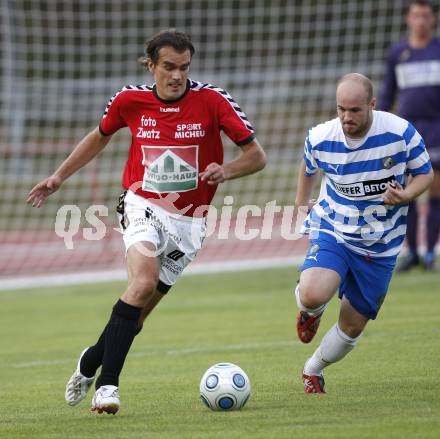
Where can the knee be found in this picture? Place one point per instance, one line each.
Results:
(141, 287)
(310, 296)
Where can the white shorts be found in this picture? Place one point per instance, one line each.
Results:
(177, 238)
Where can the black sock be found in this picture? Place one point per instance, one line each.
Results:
(118, 337)
(92, 358)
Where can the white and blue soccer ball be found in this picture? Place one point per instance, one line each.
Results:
(225, 387)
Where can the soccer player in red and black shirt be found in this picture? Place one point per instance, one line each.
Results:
(176, 154)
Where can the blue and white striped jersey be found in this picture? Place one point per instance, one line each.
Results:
(350, 205)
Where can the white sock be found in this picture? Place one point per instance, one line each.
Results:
(311, 311)
(334, 346)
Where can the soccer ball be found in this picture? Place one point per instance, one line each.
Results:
(225, 386)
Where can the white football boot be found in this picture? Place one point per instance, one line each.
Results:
(78, 385)
(106, 399)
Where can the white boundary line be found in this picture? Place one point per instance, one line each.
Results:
(172, 352)
(120, 275)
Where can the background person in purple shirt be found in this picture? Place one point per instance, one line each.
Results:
(413, 73)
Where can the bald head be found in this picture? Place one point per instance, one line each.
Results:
(355, 104)
(357, 83)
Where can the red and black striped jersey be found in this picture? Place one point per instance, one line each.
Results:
(173, 141)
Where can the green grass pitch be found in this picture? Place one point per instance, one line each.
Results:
(388, 387)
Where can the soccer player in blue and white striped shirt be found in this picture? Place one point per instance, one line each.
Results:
(357, 226)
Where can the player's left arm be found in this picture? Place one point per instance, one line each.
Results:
(252, 158)
(388, 90)
(418, 184)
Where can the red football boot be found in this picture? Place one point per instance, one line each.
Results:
(313, 383)
(306, 326)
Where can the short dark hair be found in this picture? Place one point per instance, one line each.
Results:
(179, 41)
(361, 79)
(434, 7)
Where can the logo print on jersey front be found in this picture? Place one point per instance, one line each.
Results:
(365, 188)
(404, 55)
(170, 168)
(334, 167)
(388, 162)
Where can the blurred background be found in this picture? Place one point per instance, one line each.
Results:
(63, 60)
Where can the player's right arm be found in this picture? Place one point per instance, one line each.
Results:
(83, 153)
(305, 186)
(307, 176)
